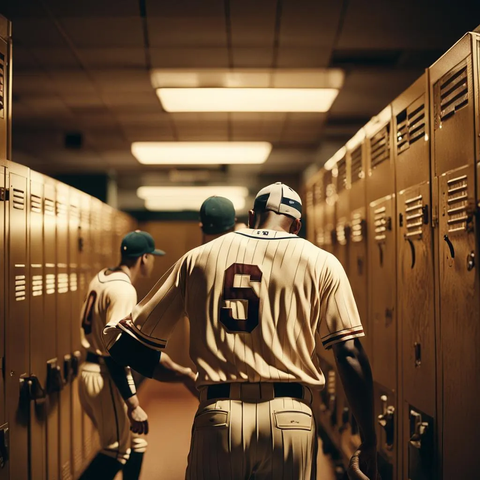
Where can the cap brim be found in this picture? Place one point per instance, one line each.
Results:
(158, 252)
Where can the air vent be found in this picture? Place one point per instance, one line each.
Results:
(380, 222)
(380, 147)
(453, 92)
(18, 199)
(342, 174)
(357, 228)
(62, 280)
(73, 282)
(20, 288)
(50, 283)
(37, 285)
(82, 281)
(61, 209)
(341, 234)
(357, 168)
(414, 217)
(416, 122)
(49, 207)
(35, 203)
(2, 85)
(309, 198)
(74, 212)
(402, 132)
(457, 204)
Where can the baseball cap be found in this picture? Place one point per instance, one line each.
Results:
(279, 198)
(137, 243)
(217, 215)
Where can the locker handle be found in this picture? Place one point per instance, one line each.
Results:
(386, 421)
(76, 356)
(418, 354)
(67, 368)
(54, 377)
(36, 391)
(450, 246)
(471, 261)
(412, 249)
(419, 431)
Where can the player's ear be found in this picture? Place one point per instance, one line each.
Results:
(296, 226)
(251, 219)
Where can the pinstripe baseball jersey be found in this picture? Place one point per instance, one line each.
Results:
(261, 303)
(110, 296)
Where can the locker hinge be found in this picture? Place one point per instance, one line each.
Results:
(4, 194)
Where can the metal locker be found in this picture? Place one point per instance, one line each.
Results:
(5, 87)
(319, 209)
(455, 151)
(63, 330)
(107, 235)
(341, 173)
(416, 285)
(17, 323)
(38, 365)
(4, 465)
(74, 236)
(54, 382)
(386, 411)
(357, 246)
(309, 212)
(329, 194)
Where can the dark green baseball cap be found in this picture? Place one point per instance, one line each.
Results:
(137, 243)
(217, 215)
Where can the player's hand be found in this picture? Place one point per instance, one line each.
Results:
(189, 382)
(363, 464)
(138, 420)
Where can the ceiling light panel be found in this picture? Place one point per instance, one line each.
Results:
(247, 99)
(201, 153)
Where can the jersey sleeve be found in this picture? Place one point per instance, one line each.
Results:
(138, 339)
(339, 319)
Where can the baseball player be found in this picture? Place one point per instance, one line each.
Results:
(217, 217)
(261, 302)
(107, 390)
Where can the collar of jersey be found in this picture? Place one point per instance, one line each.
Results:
(265, 234)
(119, 275)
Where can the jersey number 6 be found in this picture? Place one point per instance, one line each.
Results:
(88, 313)
(231, 292)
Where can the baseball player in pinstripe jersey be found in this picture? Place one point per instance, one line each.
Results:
(261, 302)
(107, 390)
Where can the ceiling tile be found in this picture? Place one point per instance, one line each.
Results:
(94, 8)
(113, 57)
(186, 57)
(293, 57)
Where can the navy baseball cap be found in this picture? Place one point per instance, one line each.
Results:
(279, 198)
(217, 215)
(137, 243)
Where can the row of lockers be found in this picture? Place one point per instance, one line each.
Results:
(398, 206)
(54, 238)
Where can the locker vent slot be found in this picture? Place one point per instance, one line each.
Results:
(2, 85)
(402, 132)
(342, 174)
(49, 206)
(309, 198)
(62, 280)
(457, 203)
(357, 170)
(82, 281)
(73, 282)
(341, 234)
(20, 288)
(453, 92)
(416, 123)
(380, 147)
(50, 283)
(74, 212)
(317, 193)
(37, 285)
(357, 228)
(18, 199)
(35, 203)
(61, 209)
(85, 216)
(320, 238)
(380, 222)
(414, 217)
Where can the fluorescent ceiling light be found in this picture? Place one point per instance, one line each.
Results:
(189, 198)
(201, 153)
(247, 99)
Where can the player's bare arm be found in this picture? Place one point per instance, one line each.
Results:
(169, 371)
(356, 375)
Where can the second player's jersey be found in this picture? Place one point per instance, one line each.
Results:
(261, 303)
(111, 296)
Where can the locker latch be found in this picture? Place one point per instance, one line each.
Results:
(386, 421)
(76, 356)
(67, 368)
(3, 445)
(54, 377)
(420, 429)
(4, 194)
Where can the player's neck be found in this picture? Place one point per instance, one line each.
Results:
(131, 272)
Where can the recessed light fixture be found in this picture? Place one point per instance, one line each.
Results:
(247, 99)
(189, 198)
(201, 153)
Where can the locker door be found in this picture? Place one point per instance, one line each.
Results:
(459, 320)
(54, 374)
(342, 213)
(38, 366)
(329, 212)
(4, 92)
(416, 312)
(17, 327)
(309, 213)
(4, 466)
(76, 303)
(319, 209)
(64, 331)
